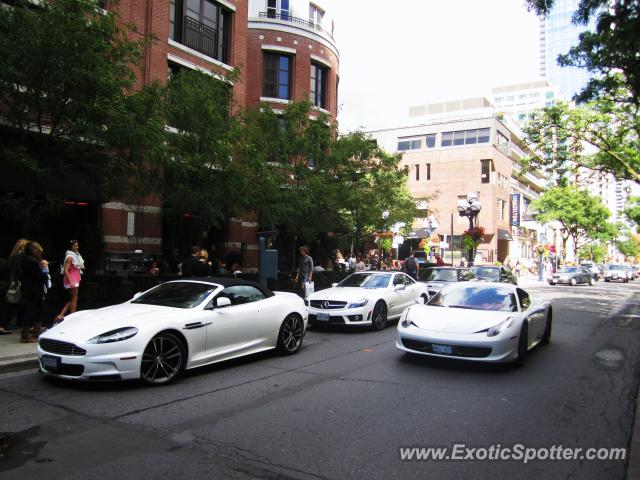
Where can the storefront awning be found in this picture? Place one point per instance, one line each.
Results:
(504, 235)
(419, 233)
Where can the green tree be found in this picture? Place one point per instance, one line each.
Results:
(610, 51)
(596, 252)
(582, 216)
(202, 183)
(66, 104)
(632, 210)
(628, 247)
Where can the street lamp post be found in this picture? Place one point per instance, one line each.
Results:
(470, 208)
(540, 267)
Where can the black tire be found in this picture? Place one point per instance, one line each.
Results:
(606, 280)
(523, 344)
(163, 359)
(552, 283)
(546, 336)
(379, 316)
(573, 282)
(290, 335)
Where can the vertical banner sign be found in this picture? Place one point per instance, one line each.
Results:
(515, 209)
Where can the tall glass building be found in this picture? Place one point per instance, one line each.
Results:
(557, 35)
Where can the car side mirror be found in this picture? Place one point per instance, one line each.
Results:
(222, 302)
(399, 287)
(334, 284)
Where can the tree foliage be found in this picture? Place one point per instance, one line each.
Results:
(583, 217)
(65, 93)
(603, 132)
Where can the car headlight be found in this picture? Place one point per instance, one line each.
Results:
(405, 321)
(114, 335)
(359, 303)
(506, 323)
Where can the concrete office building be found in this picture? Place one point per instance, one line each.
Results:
(453, 148)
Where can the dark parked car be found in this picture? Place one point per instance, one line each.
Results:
(438, 277)
(573, 276)
(492, 273)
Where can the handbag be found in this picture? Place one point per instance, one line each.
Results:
(309, 288)
(14, 293)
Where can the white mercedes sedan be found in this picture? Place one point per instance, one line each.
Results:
(365, 298)
(174, 326)
(476, 321)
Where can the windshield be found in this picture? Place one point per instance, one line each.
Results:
(614, 267)
(442, 275)
(569, 270)
(178, 294)
(366, 280)
(487, 272)
(476, 298)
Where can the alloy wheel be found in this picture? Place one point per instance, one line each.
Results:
(379, 317)
(162, 360)
(291, 333)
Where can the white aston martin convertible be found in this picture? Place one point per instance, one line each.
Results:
(476, 321)
(174, 326)
(365, 298)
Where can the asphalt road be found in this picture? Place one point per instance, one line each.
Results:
(343, 407)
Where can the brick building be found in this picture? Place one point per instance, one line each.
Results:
(284, 50)
(465, 146)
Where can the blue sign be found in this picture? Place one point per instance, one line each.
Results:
(515, 209)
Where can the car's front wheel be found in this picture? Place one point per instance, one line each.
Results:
(290, 336)
(379, 316)
(163, 359)
(573, 282)
(523, 345)
(546, 336)
(592, 282)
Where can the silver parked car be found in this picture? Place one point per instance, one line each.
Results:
(616, 273)
(572, 276)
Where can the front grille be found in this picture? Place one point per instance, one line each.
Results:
(61, 348)
(458, 350)
(328, 304)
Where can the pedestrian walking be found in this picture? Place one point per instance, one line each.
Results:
(305, 270)
(411, 267)
(360, 266)
(8, 310)
(191, 267)
(35, 282)
(72, 271)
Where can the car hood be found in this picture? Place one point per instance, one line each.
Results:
(455, 320)
(346, 294)
(86, 324)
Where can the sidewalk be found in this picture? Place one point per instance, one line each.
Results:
(15, 355)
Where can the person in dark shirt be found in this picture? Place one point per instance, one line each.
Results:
(191, 265)
(34, 288)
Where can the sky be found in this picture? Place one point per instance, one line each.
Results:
(394, 54)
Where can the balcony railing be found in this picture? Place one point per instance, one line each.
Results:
(295, 20)
(204, 39)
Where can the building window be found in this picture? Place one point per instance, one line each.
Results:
(487, 167)
(417, 172)
(278, 9)
(203, 25)
(428, 171)
(277, 76)
(503, 143)
(548, 95)
(413, 144)
(430, 140)
(501, 209)
(465, 137)
(318, 85)
(316, 14)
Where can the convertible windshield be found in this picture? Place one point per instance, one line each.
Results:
(178, 295)
(477, 298)
(366, 280)
(487, 272)
(441, 275)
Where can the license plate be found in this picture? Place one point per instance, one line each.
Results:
(50, 362)
(323, 317)
(446, 349)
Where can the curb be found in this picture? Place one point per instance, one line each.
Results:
(19, 362)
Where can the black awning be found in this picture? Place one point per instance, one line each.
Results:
(504, 235)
